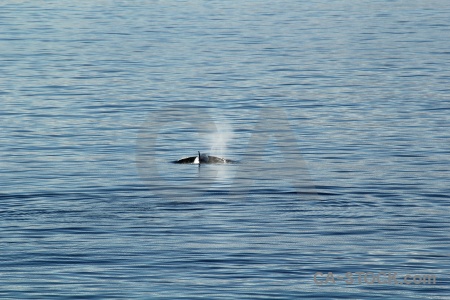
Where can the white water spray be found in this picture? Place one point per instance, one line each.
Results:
(219, 139)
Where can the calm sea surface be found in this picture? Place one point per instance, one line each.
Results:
(338, 113)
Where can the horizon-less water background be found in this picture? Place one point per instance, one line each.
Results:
(98, 97)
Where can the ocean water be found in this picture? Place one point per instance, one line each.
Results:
(336, 111)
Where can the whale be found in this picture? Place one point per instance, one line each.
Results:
(203, 158)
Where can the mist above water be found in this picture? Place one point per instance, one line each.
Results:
(220, 139)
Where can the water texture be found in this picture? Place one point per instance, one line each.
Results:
(337, 112)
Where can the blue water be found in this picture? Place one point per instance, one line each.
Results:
(338, 112)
